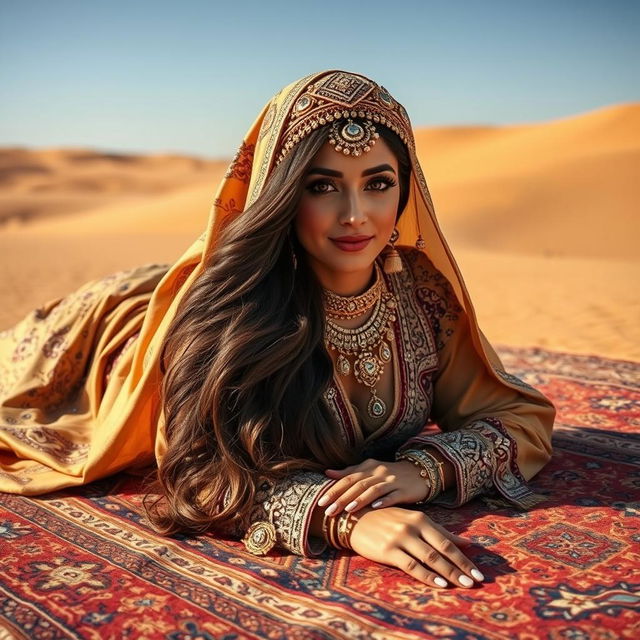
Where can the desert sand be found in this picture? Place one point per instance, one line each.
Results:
(541, 218)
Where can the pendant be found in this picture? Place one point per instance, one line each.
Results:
(344, 368)
(376, 407)
(384, 352)
(367, 369)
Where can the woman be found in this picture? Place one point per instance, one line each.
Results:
(291, 358)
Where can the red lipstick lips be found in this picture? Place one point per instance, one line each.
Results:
(351, 243)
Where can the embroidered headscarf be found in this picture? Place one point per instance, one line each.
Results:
(124, 428)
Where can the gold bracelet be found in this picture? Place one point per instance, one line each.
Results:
(346, 522)
(325, 526)
(440, 471)
(428, 470)
(331, 531)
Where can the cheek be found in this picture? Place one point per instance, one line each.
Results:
(311, 223)
(386, 217)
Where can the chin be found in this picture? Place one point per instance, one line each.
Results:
(353, 262)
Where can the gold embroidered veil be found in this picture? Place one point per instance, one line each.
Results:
(98, 431)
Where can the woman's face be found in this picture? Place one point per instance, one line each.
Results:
(347, 213)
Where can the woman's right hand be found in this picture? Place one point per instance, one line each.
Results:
(412, 542)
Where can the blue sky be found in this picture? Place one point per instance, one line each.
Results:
(191, 76)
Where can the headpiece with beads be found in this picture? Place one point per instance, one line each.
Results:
(338, 98)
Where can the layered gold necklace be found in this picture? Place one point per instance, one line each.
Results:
(364, 350)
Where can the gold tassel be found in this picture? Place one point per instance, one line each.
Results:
(392, 261)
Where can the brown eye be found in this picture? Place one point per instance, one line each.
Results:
(314, 187)
(386, 183)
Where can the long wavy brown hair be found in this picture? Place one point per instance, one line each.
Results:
(245, 366)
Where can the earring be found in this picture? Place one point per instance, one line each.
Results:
(392, 261)
(420, 243)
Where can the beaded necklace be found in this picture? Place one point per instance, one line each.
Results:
(367, 345)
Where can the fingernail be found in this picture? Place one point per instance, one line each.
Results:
(323, 501)
(441, 582)
(351, 505)
(377, 503)
(466, 581)
(477, 575)
(331, 510)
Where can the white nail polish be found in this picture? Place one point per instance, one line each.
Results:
(351, 505)
(331, 510)
(376, 504)
(466, 581)
(477, 575)
(323, 501)
(441, 582)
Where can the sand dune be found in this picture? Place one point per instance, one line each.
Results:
(567, 187)
(542, 219)
(43, 183)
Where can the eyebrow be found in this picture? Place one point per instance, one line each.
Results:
(338, 174)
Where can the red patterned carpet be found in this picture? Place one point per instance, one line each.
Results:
(79, 563)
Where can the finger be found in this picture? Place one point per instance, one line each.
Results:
(411, 566)
(452, 536)
(432, 558)
(382, 491)
(393, 497)
(339, 488)
(461, 540)
(350, 495)
(447, 556)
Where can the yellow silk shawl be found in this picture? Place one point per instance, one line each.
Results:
(96, 431)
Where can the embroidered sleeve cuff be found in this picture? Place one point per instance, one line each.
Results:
(484, 457)
(284, 515)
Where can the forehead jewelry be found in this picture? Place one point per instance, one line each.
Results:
(353, 138)
(350, 105)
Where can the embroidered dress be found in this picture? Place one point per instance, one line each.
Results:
(496, 440)
(80, 377)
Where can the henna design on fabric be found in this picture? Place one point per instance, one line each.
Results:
(49, 441)
(227, 207)
(240, 167)
(436, 296)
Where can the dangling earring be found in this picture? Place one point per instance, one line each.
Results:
(420, 243)
(392, 261)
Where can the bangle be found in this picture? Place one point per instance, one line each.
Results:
(430, 469)
(440, 471)
(328, 529)
(346, 522)
(337, 530)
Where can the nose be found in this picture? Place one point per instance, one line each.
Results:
(353, 212)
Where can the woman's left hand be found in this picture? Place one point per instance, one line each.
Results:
(380, 484)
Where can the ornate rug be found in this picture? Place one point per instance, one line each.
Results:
(79, 563)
